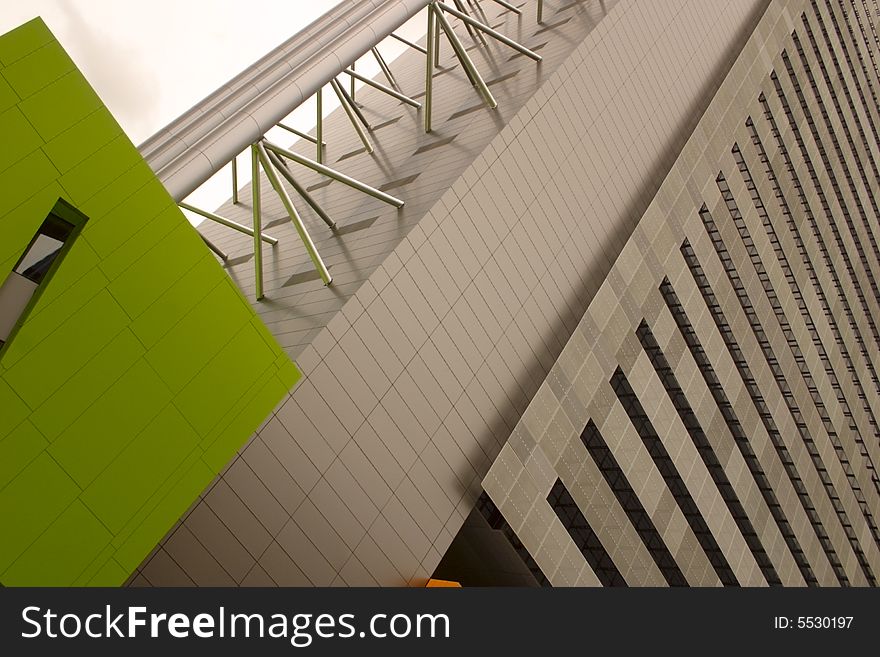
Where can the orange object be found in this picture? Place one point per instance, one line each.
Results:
(442, 584)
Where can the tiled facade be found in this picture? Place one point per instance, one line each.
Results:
(724, 375)
(366, 472)
(113, 411)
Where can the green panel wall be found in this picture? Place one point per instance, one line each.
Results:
(140, 370)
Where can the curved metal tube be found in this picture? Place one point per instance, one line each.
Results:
(203, 140)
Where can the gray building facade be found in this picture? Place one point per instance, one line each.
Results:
(627, 321)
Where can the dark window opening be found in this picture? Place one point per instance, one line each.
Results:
(740, 437)
(751, 385)
(707, 453)
(494, 517)
(22, 287)
(665, 465)
(583, 536)
(632, 506)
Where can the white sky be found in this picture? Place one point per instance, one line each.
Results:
(151, 61)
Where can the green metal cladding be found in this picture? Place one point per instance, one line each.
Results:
(140, 370)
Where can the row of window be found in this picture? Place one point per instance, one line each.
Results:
(852, 124)
(855, 284)
(842, 85)
(706, 452)
(496, 520)
(853, 232)
(740, 438)
(692, 514)
(811, 272)
(814, 334)
(830, 263)
(857, 120)
(844, 167)
(782, 383)
(864, 36)
(632, 506)
(794, 347)
(761, 407)
(583, 536)
(845, 47)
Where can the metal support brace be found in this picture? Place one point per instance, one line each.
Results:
(353, 65)
(294, 215)
(381, 87)
(235, 180)
(355, 108)
(540, 11)
(467, 71)
(352, 112)
(299, 133)
(429, 67)
(465, 59)
(508, 6)
(336, 175)
(214, 248)
(479, 12)
(476, 36)
(409, 43)
(258, 222)
(223, 221)
(319, 130)
(386, 70)
(492, 33)
(436, 43)
(284, 171)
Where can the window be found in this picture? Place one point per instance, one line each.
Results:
(707, 453)
(583, 535)
(632, 506)
(757, 398)
(496, 520)
(28, 278)
(665, 465)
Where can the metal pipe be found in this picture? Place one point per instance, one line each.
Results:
(386, 70)
(409, 43)
(508, 6)
(234, 225)
(353, 65)
(436, 42)
(235, 180)
(351, 111)
(356, 108)
(282, 168)
(493, 33)
(319, 130)
(214, 248)
(201, 142)
(299, 133)
(474, 35)
(381, 87)
(336, 175)
(429, 67)
(465, 59)
(294, 215)
(258, 222)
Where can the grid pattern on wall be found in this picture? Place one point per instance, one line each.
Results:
(415, 166)
(744, 308)
(365, 474)
(139, 370)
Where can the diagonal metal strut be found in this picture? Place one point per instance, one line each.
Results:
(297, 221)
(333, 173)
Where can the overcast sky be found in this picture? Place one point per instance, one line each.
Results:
(151, 61)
